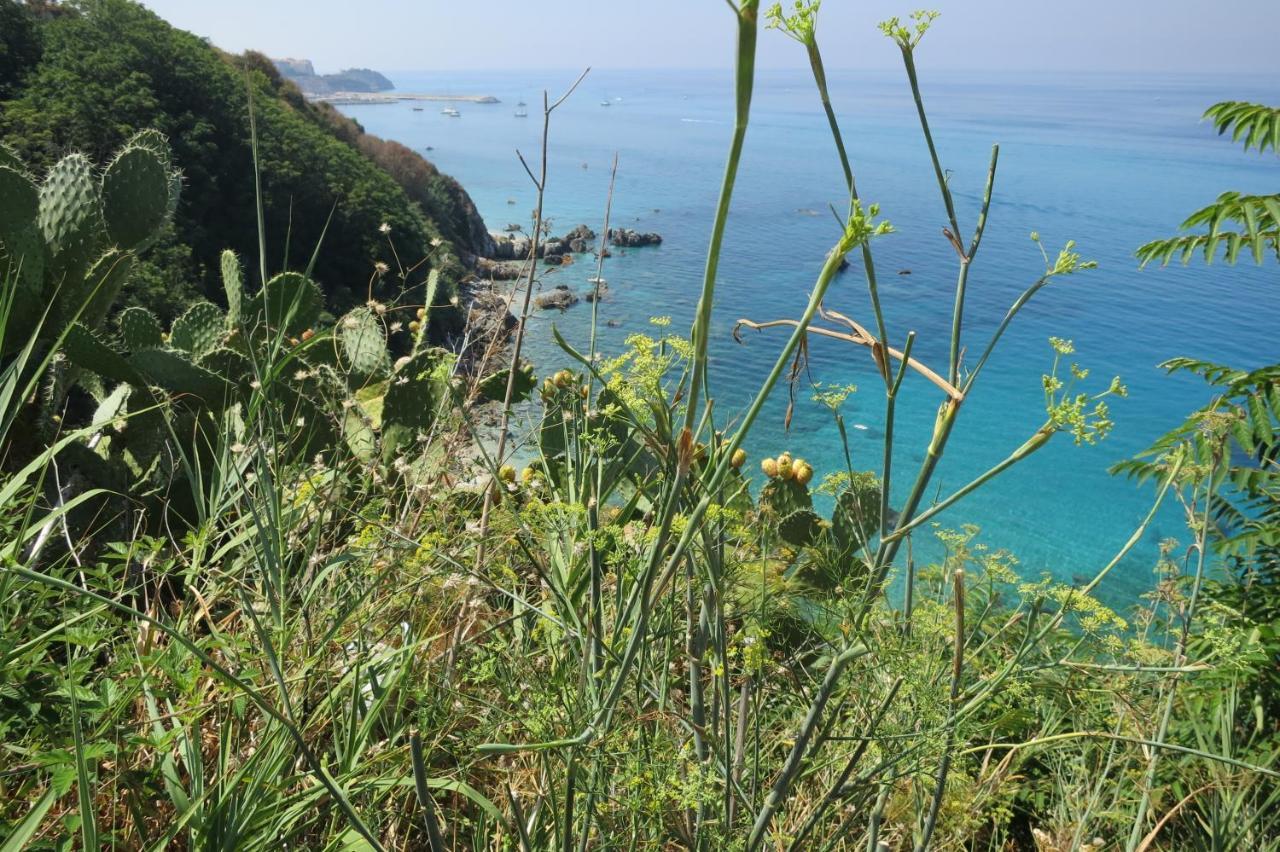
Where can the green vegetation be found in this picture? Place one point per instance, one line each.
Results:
(109, 68)
(264, 583)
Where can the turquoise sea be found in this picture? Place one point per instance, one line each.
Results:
(1109, 161)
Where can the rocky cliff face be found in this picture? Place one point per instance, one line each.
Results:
(304, 75)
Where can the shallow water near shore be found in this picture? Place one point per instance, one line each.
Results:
(1109, 161)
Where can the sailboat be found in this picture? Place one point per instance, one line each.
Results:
(522, 112)
(451, 112)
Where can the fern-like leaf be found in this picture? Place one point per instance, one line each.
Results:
(1257, 125)
(1235, 222)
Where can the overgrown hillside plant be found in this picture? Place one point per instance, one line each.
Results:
(363, 628)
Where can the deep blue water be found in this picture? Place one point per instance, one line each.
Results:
(1110, 162)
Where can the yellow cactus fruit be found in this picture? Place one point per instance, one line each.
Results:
(507, 473)
(803, 473)
(414, 326)
(526, 475)
(770, 468)
(784, 466)
(739, 456)
(422, 313)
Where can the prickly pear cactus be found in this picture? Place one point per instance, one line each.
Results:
(174, 372)
(364, 345)
(493, 387)
(199, 331)
(233, 286)
(102, 284)
(135, 197)
(289, 301)
(418, 387)
(70, 218)
(22, 251)
(139, 329)
(856, 516)
(789, 504)
(71, 243)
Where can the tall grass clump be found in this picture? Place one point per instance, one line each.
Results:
(268, 580)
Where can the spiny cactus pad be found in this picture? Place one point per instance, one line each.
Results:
(229, 363)
(102, 284)
(135, 197)
(290, 301)
(174, 372)
(364, 346)
(494, 386)
(70, 214)
(139, 329)
(233, 286)
(10, 158)
(198, 331)
(89, 352)
(416, 389)
(19, 201)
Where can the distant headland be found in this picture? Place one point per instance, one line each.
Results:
(357, 86)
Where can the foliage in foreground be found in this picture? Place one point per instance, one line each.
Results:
(358, 636)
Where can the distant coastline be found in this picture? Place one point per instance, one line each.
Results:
(384, 98)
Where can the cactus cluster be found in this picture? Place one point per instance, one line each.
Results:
(70, 242)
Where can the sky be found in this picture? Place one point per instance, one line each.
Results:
(1187, 36)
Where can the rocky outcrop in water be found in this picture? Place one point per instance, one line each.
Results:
(558, 298)
(627, 238)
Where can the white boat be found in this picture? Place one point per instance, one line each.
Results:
(451, 112)
(606, 102)
(521, 113)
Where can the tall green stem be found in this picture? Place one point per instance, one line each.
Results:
(745, 72)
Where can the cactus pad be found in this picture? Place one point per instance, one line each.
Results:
(364, 346)
(70, 215)
(233, 286)
(10, 158)
(86, 350)
(102, 285)
(230, 365)
(494, 386)
(140, 329)
(198, 331)
(290, 301)
(416, 389)
(19, 201)
(174, 372)
(135, 197)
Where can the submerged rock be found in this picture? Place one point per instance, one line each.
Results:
(558, 298)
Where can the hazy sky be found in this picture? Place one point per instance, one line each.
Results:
(1052, 35)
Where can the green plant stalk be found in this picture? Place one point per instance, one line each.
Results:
(1035, 442)
(837, 788)
(1179, 659)
(908, 59)
(890, 409)
(795, 759)
(868, 264)
(744, 76)
(966, 261)
(957, 668)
